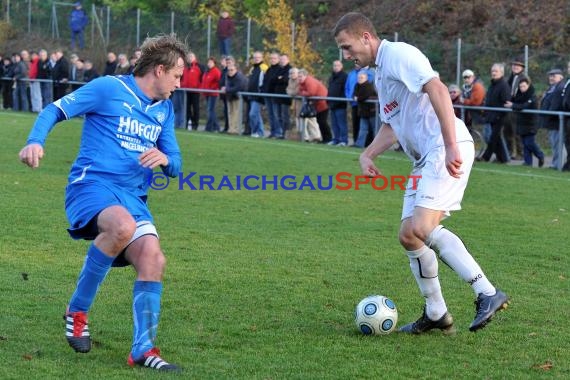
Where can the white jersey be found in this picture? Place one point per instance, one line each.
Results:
(402, 70)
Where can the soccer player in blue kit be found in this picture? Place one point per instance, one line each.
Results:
(128, 131)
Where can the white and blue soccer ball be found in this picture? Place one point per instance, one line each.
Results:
(376, 315)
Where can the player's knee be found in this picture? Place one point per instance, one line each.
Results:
(123, 230)
(407, 238)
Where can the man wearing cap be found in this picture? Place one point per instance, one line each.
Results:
(77, 22)
(552, 101)
(514, 144)
(473, 94)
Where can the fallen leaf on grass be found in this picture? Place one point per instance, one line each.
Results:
(546, 366)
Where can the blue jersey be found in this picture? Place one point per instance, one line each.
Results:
(120, 123)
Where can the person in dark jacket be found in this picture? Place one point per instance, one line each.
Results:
(90, 72)
(552, 101)
(225, 31)
(337, 83)
(268, 87)
(526, 123)
(60, 75)
(235, 83)
(283, 105)
(7, 83)
(363, 91)
(255, 80)
(44, 74)
(77, 22)
(498, 94)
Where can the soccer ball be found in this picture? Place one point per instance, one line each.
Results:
(376, 315)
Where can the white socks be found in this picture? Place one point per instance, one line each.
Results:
(424, 267)
(452, 251)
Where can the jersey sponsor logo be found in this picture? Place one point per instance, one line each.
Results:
(389, 107)
(133, 127)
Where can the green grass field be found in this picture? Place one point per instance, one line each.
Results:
(263, 284)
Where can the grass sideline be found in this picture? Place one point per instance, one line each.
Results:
(263, 284)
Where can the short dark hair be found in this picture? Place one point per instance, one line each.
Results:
(354, 23)
(160, 50)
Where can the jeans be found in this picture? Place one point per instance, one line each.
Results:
(255, 119)
(77, 36)
(20, 97)
(554, 139)
(284, 117)
(179, 110)
(272, 111)
(47, 93)
(224, 45)
(367, 124)
(339, 125)
(212, 123)
(530, 147)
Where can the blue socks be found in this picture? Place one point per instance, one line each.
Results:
(95, 268)
(146, 313)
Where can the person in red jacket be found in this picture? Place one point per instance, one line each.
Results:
(192, 78)
(35, 90)
(225, 31)
(211, 81)
(311, 86)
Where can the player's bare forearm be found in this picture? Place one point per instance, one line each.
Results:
(382, 142)
(441, 102)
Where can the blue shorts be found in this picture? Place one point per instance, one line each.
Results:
(85, 200)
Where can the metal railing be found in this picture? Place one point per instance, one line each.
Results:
(242, 94)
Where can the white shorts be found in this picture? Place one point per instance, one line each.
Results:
(436, 189)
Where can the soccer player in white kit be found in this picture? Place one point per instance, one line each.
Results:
(416, 110)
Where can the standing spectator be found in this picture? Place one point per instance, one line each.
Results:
(20, 94)
(225, 31)
(552, 101)
(311, 86)
(77, 22)
(192, 78)
(75, 72)
(60, 75)
(44, 74)
(123, 65)
(455, 95)
(90, 72)
(235, 82)
(79, 74)
(110, 64)
(307, 126)
(364, 91)
(351, 81)
(514, 145)
(255, 80)
(566, 108)
(473, 94)
(7, 84)
(35, 87)
(337, 83)
(211, 81)
(283, 105)
(224, 63)
(498, 94)
(268, 87)
(525, 99)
